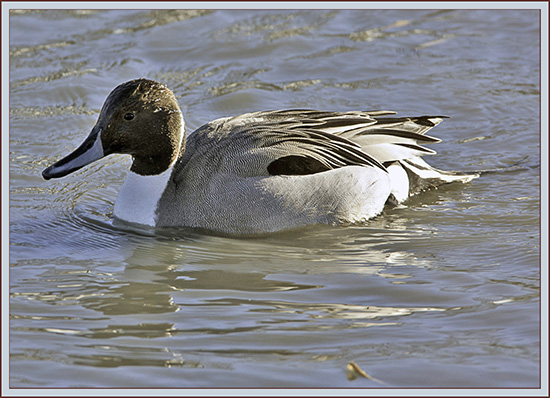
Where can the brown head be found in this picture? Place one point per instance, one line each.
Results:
(141, 118)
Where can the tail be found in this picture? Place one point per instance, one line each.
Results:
(422, 176)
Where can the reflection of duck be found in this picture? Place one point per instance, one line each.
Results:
(258, 172)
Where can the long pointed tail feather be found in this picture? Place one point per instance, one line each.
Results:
(422, 176)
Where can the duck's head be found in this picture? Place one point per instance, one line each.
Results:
(141, 118)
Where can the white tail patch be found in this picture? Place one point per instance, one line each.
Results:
(423, 170)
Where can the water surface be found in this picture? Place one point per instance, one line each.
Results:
(442, 292)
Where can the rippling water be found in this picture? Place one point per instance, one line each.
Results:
(443, 292)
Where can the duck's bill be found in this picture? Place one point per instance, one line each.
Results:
(89, 151)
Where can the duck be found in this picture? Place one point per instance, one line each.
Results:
(258, 172)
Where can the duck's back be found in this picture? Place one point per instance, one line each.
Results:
(268, 171)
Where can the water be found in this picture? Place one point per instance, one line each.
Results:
(443, 292)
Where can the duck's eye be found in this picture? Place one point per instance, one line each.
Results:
(129, 116)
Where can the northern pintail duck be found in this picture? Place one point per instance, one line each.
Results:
(258, 172)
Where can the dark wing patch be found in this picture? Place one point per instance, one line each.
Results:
(296, 165)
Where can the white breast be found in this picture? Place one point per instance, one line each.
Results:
(139, 196)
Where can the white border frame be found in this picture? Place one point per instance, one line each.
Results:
(55, 392)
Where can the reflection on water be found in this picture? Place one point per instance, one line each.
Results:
(440, 292)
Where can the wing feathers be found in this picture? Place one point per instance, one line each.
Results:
(296, 142)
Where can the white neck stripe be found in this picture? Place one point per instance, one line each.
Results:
(139, 197)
